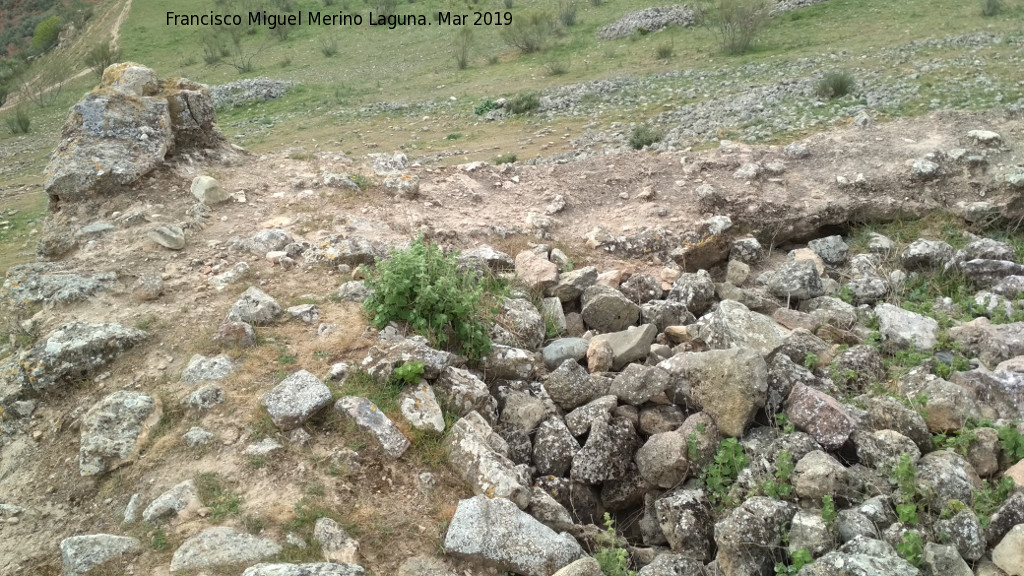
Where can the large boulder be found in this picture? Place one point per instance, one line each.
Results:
(607, 453)
(796, 280)
(125, 128)
(75, 350)
(112, 430)
(728, 385)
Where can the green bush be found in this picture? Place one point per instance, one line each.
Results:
(523, 103)
(19, 122)
(423, 287)
(329, 47)
(506, 158)
(835, 84)
(485, 107)
(665, 51)
(531, 32)
(462, 46)
(4, 91)
(643, 135)
(739, 22)
(100, 57)
(46, 34)
(991, 7)
(567, 12)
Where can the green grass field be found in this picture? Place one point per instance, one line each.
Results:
(427, 100)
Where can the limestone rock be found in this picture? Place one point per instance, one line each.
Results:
(370, 419)
(733, 325)
(221, 546)
(629, 345)
(608, 310)
(297, 398)
(796, 280)
(335, 543)
(820, 415)
(902, 329)
(686, 520)
(535, 271)
(74, 350)
(80, 554)
(202, 369)
(487, 470)
(112, 429)
(420, 408)
(607, 453)
(564, 349)
(208, 190)
(728, 385)
(497, 533)
(571, 386)
(168, 236)
(254, 307)
(554, 447)
(313, 569)
(1009, 553)
(172, 502)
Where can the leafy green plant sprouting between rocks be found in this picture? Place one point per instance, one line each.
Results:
(798, 560)
(423, 287)
(911, 547)
(613, 560)
(780, 487)
(905, 477)
(722, 472)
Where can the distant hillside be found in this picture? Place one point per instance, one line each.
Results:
(18, 20)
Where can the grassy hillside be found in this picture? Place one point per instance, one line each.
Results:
(366, 88)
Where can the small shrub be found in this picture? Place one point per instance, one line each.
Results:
(642, 136)
(424, 288)
(506, 158)
(19, 122)
(665, 51)
(100, 57)
(329, 47)
(4, 92)
(158, 540)
(557, 67)
(782, 421)
(523, 103)
(835, 84)
(361, 181)
(739, 22)
(1012, 443)
(811, 361)
(408, 373)
(531, 32)
(991, 7)
(221, 501)
(453, 136)
(485, 107)
(461, 47)
(990, 498)
(613, 560)
(567, 13)
(46, 34)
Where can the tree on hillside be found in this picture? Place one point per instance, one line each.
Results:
(46, 34)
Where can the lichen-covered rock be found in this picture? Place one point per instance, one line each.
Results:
(1009, 553)
(637, 384)
(944, 475)
(112, 430)
(335, 543)
(831, 249)
(75, 350)
(820, 415)
(564, 349)
(221, 546)
(733, 325)
(420, 409)
(607, 453)
(570, 286)
(37, 282)
(579, 420)
(902, 329)
(80, 554)
(808, 530)
(749, 534)
(496, 532)
(695, 291)
(881, 449)
(887, 413)
(485, 258)
(254, 307)
(924, 254)
(369, 418)
(964, 532)
(487, 470)
(991, 343)
(351, 251)
(297, 398)
(685, 517)
(201, 368)
(606, 309)
(460, 392)
(796, 280)
(509, 363)
(519, 324)
(571, 386)
(728, 385)
(554, 447)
